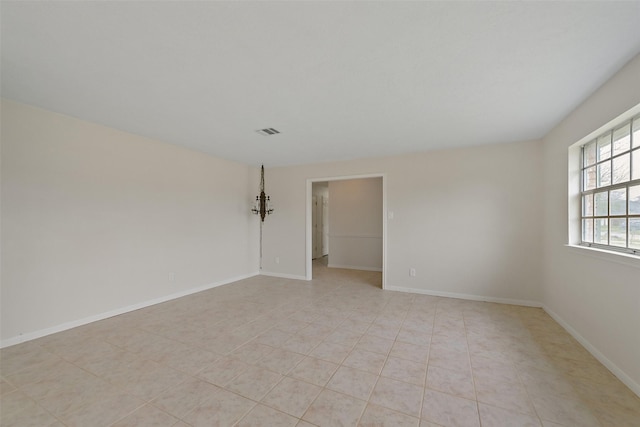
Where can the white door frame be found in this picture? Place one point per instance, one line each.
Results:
(309, 247)
(319, 220)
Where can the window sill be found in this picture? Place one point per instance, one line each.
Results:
(602, 254)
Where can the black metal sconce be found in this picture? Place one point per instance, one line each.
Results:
(262, 206)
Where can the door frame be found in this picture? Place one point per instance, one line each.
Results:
(309, 246)
(315, 251)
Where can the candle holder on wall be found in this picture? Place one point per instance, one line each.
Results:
(262, 205)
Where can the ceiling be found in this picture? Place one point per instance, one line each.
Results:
(339, 80)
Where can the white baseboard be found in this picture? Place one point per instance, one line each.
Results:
(283, 275)
(615, 370)
(75, 323)
(525, 303)
(355, 267)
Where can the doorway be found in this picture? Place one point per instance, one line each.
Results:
(350, 249)
(320, 220)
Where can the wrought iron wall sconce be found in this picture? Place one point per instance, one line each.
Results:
(262, 205)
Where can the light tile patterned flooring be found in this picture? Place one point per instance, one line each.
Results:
(337, 351)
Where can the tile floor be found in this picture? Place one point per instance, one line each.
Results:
(337, 351)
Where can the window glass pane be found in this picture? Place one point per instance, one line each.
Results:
(610, 163)
(604, 146)
(601, 232)
(589, 153)
(590, 178)
(618, 235)
(587, 230)
(604, 174)
(634, 200)
(634, 233)
(587, 205)
(601, 203)
(622, 139)
(618, 202)
(621, 168)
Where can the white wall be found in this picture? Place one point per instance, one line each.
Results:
(96, 220)
(468, 220)
(355, 224)
(594, 296)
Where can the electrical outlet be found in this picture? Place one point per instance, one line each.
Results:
(412, 272)
(277, 260)
(172, 277)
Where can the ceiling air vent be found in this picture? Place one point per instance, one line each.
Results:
(268, 131)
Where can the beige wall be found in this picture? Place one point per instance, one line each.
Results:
(95, 220)
(595, 296)
(355, 224)
(468, 220)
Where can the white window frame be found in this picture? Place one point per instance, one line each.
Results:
(575, 192)
(589, 219)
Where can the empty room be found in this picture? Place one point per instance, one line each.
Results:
(345, 213)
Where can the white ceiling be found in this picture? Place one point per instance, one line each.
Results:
(340, 80)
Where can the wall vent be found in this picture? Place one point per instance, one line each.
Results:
(268, 131)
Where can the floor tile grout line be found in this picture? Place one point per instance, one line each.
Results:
(390, 308)
(426, 373)
(87, 404)
(380, 376)
(473, 380)
(526, 390)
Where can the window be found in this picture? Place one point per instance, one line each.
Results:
(610, 189)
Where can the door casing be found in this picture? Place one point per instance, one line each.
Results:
(309, 221)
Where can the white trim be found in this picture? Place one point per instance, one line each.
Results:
(605, 255)
(526, 303)
(615, 370)
(80, 322)
(347, 177)
(355, 267)
(308, 257)
(354, 236)
(608, 126)
(283, 275)
(574, 232)
(619, 373)
(385, 218)
(308, 237)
